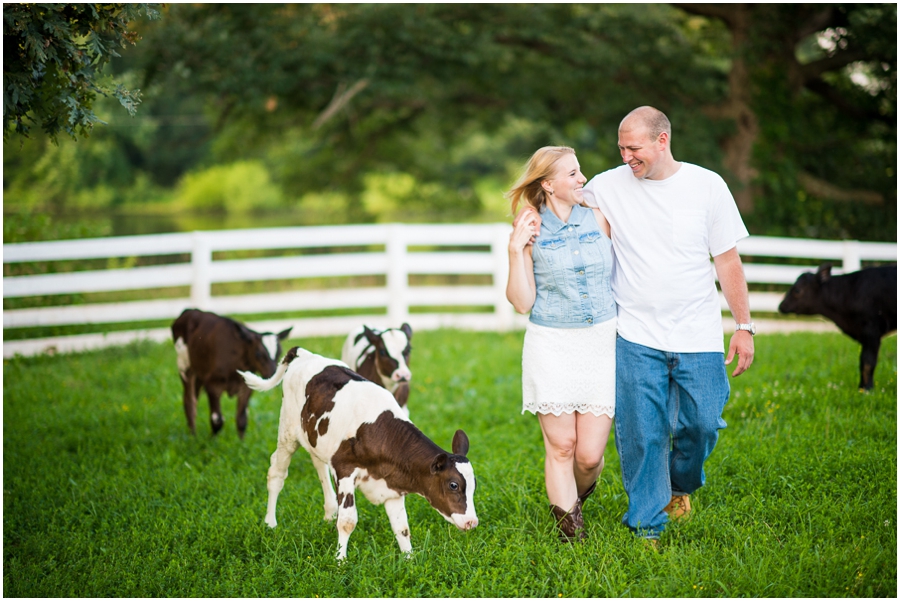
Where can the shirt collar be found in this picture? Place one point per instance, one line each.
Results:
(554, 224)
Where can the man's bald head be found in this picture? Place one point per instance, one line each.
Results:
(654, 120)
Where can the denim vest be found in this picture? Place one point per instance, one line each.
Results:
(572, 265)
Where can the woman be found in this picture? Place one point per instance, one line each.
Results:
(568, 358)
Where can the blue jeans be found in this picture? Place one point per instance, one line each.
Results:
(668, 416)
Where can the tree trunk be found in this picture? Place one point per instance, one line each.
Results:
(738, 147)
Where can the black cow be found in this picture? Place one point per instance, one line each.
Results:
(210, 349)
(863, 304)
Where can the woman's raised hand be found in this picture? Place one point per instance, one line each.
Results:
(526, 226)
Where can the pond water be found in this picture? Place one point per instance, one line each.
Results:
(28, 227)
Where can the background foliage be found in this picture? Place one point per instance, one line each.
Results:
(54, 56)
(367, 112)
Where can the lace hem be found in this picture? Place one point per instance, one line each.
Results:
(569, 408)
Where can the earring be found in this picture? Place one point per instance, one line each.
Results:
(551, 192)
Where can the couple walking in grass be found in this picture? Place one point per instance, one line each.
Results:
(625, 320)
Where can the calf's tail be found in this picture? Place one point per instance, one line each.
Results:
(257, 383)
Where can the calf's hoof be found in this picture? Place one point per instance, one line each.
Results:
(216, 422)
(270, 522)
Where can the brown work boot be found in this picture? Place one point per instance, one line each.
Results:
(570, 523)
(679, 508)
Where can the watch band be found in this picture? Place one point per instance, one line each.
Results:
(749, 327)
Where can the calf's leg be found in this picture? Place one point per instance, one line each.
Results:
(396, 512)
(868, 359)
(189, 382)
(347, 515)
(215, 407)
(243, 403)
(331, 504)
(278, 471)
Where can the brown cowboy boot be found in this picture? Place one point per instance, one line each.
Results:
(570, 523)
(583, 496)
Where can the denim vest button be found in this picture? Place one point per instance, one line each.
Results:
(571, 229)
(581, 272)
(584, 296)
(589, 319)
(576, 252)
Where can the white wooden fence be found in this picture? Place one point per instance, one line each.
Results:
(484, 255)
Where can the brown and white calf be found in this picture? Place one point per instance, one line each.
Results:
(355, 429)
(381, 356)
(209, 350)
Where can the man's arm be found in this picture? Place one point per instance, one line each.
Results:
(730, 272)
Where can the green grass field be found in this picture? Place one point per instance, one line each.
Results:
(107, 495)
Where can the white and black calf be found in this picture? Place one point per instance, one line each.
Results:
(355, 429)
(209, 350)
(382, 356)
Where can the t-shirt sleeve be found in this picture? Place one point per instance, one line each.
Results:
(727, 225)
(591, 198)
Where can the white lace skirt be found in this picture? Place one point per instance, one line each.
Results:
(569, 369)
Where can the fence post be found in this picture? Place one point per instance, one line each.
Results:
(201, 262)
(851, 260)
(503, 310)
(397, 275)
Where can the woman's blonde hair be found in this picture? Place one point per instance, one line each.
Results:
(540, 166)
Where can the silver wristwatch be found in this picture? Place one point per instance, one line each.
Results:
(750, 327)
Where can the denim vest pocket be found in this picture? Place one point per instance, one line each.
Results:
(549, 259)
(552, 243)
(592, 251)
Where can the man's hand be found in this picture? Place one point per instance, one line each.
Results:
(742, 344)
(730, 271)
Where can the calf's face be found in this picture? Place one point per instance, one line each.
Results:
(804, 296)
(262, 351)
(451, 490)
(392, 349)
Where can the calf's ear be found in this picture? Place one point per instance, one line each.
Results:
(284, 333)
(824, 272)
(373, 338)
(402, 393)
(460, 443)
(439, 463)
(406, 330)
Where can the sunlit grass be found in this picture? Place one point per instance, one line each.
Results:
(106, 494)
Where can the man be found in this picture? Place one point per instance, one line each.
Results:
(667, 219)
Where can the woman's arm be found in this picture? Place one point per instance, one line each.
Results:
(520, 288)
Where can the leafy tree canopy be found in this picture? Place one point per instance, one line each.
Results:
(53, 55)
(436, 105)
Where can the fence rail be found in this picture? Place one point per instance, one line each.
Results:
(393, 252)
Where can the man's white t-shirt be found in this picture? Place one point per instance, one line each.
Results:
(663, 234)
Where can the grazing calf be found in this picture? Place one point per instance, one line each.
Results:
(209, 351)
(356, 429)
(863, 304)
(382, 356)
